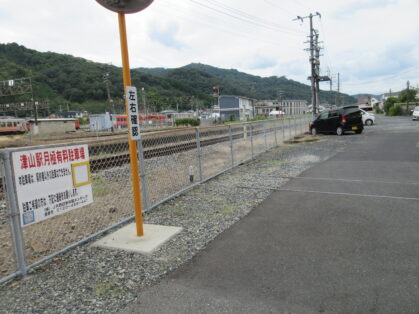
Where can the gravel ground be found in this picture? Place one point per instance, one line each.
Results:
(95, 280)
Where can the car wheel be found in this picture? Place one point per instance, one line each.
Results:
(369, 122)
(339, 131)
(358, 132)
(313, 131)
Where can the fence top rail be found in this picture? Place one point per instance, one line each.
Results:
(147, 134)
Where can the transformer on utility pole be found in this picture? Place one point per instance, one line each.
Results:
(312, 60)
(314, 49)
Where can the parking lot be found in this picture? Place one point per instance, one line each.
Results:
(342, 237)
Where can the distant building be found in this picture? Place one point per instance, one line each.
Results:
(363, 100)
(386, 96)
(173, 114)
(100, 122)
(47, 127)
(288, 106)
(237, 108)
(69, 114)
(169, 114)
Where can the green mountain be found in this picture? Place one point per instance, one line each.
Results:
(233, 82)
(63, 79)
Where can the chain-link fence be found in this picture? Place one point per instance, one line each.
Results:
(170, 163)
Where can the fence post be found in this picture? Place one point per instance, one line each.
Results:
(199, 153)
(301, 125)
(251, 139)
(283, 128)
(231, 145)
(275, 123)
(11, 201)
(143, 177)
(289, 127)
(265, 136)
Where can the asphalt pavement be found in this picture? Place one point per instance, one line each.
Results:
(343, 237)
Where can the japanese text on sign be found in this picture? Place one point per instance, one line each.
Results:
(133, 113)
(44, 181)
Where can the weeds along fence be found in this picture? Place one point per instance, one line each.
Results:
(171, 162)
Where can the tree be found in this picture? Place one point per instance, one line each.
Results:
(408, 95)
(389, 103)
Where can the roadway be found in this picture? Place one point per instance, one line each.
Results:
(343, 237)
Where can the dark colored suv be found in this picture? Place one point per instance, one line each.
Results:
(338, 121)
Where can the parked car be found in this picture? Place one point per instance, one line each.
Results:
(367, 117)
(338, 121)
(415, 113)
(320, 108)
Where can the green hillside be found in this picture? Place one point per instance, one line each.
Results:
(233, 82)
(64, 79)
(61, 79)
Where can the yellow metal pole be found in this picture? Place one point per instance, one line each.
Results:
(132, 144)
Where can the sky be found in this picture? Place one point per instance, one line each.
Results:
(372, 44)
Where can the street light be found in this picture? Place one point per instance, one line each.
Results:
(122, 7)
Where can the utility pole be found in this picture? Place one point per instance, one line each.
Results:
(280, 98)
(317, 65)
(312, 60)
(331, 86)
(338, 96)
(16, 88)
(144, 104)
(111, 104)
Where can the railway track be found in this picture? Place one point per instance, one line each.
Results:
(169, 145)
(115, 153)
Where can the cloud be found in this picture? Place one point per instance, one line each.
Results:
(261, 62)
(166, 35)
(354, 7)
(365, 41)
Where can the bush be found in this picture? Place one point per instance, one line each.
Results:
(84, 121)
(389, 103)
(396, 110)
(187, 121)
(232, 117)
(378, 110)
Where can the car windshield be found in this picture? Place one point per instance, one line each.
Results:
(417, 108)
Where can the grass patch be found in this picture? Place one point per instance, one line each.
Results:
(100, 187)
(228, 210)
(178, 212)
(108, 289)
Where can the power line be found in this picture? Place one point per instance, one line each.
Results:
(251, 17)
(242, 18)
(190, 17)
(195, 18)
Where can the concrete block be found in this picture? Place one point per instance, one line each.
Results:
(126, 238)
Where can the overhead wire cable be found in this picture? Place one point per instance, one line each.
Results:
(189, 17)
(251, 17)
(240, 18)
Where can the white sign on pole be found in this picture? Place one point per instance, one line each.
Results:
(133, 113)
(51, 181)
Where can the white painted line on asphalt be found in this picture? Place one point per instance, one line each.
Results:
(347, 180)
(351, 194)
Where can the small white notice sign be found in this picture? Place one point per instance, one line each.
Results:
(51, 181)
(133, 113)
